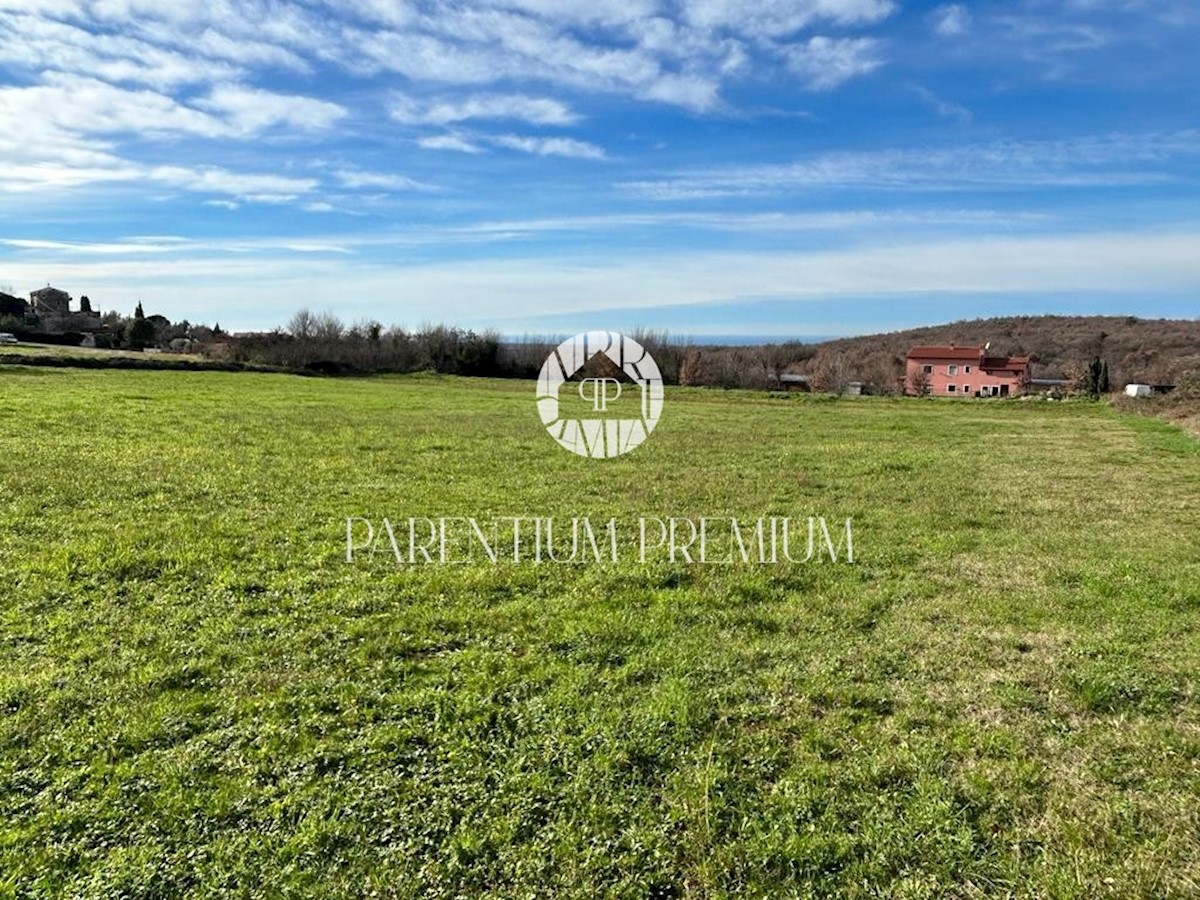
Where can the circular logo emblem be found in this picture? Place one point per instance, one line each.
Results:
(616, 403)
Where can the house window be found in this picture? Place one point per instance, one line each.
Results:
(951, 370)
(966, 370)
(928, 370)
(951, 388)
(966, 389)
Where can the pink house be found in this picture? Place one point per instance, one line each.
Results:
(964, 372)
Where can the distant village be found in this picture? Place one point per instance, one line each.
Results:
(52, 316)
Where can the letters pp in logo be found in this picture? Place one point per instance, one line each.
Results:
(609, 436)
(596, 391)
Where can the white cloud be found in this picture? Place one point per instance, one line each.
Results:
(858, 221)
(38, 43)
(696, 92)
(67, 105)
(826, 62)
(651, 59)
(476, 47)
(250, 187)
(549, 146)
(647, 50)
(38, 177)
(204, 56)
(63, 133)
(282, 23)
(778, 18)
(247, 186)
(863, 225)
(247, 53)
(249, 112)
(392, 13)
(98, 248)
(65, 109)
(59, 135)
(1050, 35)
(533, 110)
(947, 109)
(1111, 160)
(448, 142)
(354, 178)
(585, 12)
(951, 20)
(42, 7)
(429, 58)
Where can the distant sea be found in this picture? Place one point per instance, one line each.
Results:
(753, 340)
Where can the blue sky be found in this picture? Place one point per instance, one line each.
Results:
(786, 167)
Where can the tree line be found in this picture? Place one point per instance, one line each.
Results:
(323, 342)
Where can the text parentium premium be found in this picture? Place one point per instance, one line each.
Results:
(704, 540)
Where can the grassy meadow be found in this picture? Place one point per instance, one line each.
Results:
(62, 351)
(199, 696)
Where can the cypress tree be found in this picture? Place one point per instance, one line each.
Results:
(1093, 377)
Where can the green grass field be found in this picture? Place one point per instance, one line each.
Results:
(201, 698)
(66, 352)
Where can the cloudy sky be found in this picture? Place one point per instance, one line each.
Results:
(782, 167)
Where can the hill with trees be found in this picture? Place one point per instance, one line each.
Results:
(1157, 351)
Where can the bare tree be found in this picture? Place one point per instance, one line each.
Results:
(327, 327)
(918, 383)
(302, 325)
(832, 374)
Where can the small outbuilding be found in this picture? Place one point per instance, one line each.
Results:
(790, 381)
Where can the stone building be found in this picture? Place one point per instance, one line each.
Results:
(52, 308)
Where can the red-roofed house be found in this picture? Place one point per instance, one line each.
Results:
(964, 372)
